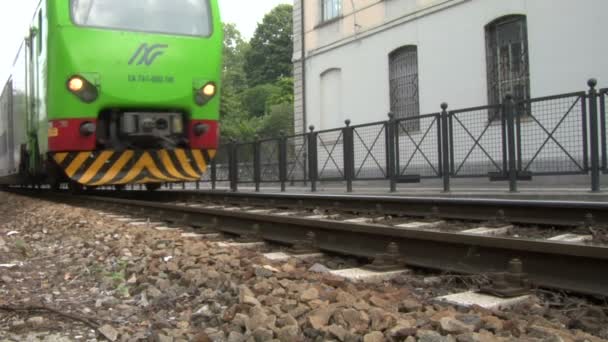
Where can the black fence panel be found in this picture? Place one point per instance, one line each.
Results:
(369, 151)
(297, 158)
(478, 142)
(222, 164)
(552, 135)
(418, 147)
(269, 160)
(245, 162)
(330, 155)
(603, 130)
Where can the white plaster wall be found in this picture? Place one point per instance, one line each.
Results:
(565, 46)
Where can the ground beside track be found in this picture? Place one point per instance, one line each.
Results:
(134, 283)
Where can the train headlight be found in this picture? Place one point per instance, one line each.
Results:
(82, 88)
(75, 84)
(209, 90)
(205, 94)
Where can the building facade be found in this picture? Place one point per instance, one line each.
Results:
(360, 59)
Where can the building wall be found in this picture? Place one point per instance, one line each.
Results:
(297, 68)
(563, 40)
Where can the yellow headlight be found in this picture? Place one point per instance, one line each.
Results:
(75, 84)
(209, 90)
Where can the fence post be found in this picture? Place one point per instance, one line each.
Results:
(594, 136)
(233, 168)
(349, 155)
(214, 173)
(283, 160)
(445, 148)
(509, 112)
(391, 151)
(312, 158)
(256, 163)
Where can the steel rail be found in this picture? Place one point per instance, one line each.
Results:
(538, 212)
(572, 267)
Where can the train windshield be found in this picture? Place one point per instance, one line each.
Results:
(180, 17)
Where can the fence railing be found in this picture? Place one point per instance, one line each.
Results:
(512, 142)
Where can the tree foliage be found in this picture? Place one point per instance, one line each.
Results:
(235, 50)
(257, 92)
(271, 48)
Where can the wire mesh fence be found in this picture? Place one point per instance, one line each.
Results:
(514, 142)
(245, 160)
(269, 161)
(369, 151)
(222, 164)
(418, 146)
(477, 142)
(604, 130)
(552, 135)
(297, 158)
(330, 155)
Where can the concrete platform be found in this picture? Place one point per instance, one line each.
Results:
(468, 299)
(366, 276)
(541, 188)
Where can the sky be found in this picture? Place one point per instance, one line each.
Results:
(15, 16)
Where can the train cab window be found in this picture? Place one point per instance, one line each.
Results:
(179, 17)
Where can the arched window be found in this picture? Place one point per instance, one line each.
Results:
(403, 77)
(507, 60)
(331, 98)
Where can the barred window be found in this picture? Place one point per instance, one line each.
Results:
(331, 9)
(403, 76)
(507, 60)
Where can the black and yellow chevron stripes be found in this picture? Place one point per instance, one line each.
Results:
(134, 167)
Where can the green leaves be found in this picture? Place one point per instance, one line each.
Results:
(257, 94)
(271, 48)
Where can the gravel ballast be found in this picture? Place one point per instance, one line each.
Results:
(74, 274)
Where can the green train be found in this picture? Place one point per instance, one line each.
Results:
(112, 92)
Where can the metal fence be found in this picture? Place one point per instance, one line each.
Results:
(604, 129)
(512, 142)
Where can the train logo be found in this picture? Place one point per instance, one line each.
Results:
(148, 54)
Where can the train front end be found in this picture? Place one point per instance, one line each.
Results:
(134, 90)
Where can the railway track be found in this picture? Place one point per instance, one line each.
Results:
(434, 238)
(554, 213)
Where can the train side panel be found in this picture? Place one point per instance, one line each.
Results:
(13, 120)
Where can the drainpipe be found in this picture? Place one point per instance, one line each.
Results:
(303, 33)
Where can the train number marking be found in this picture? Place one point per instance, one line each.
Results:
(151, 78)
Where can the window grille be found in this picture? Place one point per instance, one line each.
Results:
(404, 96)
(507, 61)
